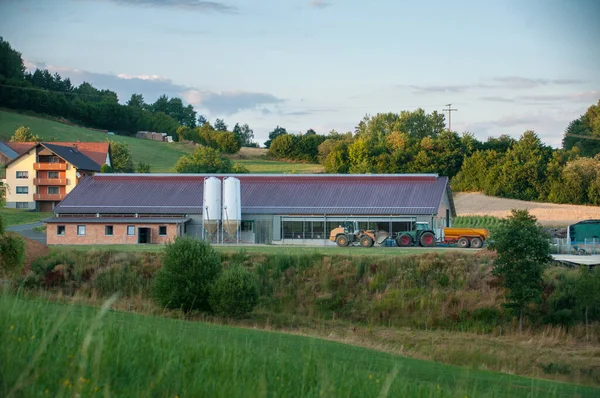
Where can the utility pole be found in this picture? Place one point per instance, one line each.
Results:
(449, 110)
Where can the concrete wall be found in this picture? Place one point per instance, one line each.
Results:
(25, 163)
(95, 234)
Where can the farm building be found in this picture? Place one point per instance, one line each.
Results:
(245, 208)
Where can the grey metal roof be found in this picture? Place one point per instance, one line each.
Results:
(73, 156)
(11, 154)
(261, 194)
(117, 220)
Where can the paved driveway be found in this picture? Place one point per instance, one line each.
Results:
(27, 231)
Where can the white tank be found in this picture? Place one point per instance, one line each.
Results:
(232, 205)
(211, 204)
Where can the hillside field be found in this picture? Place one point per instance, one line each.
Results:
(160, 155)
(60, 349)
(548, 214)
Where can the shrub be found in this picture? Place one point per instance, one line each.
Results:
(235, 293)
(105, 168)
(190, 267)
(12, 253)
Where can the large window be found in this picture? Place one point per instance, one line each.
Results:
(162, 230)
(81, 230)
(53, 191)
(131, 230)
(60, 230)
(108, 230)
(22, 190)
(317, 228)
(53, 174)
(22, 174)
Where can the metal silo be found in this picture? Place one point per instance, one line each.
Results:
(211, 214)
(232, 207)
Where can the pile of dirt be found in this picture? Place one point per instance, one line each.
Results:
(33, 250)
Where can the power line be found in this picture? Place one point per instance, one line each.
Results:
(449, 110)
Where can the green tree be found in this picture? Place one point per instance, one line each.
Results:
(121, 158)
(24, 134)
(245, 135)
(105, 168)
(11, 63)
(274, 134)
(359, 157)
(588, 125)
(235, 293)
(283, 147)
(588, 292)
(227, 142)
(203, 160)
(239, 169)
(337, 160)
(189, 269)
(143, 167)
(523, 251)
(220, 125)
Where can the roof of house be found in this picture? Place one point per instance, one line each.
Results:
(83, 155)
(377, 194)
(74, 156)
(7, 151)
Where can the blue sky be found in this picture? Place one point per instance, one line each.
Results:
(508, 65)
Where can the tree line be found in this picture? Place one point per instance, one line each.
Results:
(417, 142)
(49, 94)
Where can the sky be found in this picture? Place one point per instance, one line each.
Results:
(506, 66)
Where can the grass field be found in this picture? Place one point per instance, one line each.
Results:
(71, 350)
(274, 249)
(161, 156)
(18, 216)
(548, 214)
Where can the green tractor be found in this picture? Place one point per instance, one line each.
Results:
(421, 235)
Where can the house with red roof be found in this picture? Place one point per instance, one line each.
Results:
(272, 209)
(38, 175)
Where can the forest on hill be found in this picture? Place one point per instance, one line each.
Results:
(405, 142)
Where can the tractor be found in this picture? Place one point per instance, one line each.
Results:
(350, 234)
(420, 235)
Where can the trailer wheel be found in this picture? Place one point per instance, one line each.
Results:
(427, 239)
(476, 243)
(404, 240)
(341, 241)
(366, 241)
(463, 243)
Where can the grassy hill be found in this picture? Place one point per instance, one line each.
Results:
(60, 350)
(161, 156)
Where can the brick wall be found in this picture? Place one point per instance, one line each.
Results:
(94, 234)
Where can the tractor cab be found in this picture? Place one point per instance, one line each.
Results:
(422, 226)
(351, 227)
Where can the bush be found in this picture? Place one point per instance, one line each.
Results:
(190, 267)
(105, 168)
(12, 253)
(235, 293)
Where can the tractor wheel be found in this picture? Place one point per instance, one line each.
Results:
(427, 239)
(476, 243)
(463, 243)
(341, 241)
(366, 241)
(404, 240)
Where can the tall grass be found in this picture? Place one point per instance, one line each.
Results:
(71, 350)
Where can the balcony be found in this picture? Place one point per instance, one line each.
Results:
(48, 196)
(50, 166)
(50, 181)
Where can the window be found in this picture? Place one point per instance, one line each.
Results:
(162, 230)
(108, 230)
(131, 230)
(53, 159)
(81, 230)
(60, 230)
(22, 205)
(22, 174)
(53, 191)
(22, 189)
(247, 226)
(53, 174)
